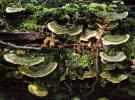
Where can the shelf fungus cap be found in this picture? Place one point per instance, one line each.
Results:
(10, 10)
(119, 57)
(115, 39)
(117, 16)
(38, 71)
(88, 35)
(112, 16)
(37, 90)
(116, 78)
(27, 60)
(88, 75)
(62, 29)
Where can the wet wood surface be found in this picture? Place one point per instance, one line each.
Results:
(21, 36)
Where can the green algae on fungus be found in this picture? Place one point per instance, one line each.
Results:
(30, 24)
(97, 7)
(71, 8)
(107, 11)
(77, 60)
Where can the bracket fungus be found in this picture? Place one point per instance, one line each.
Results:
(27, 60)
(113, 16)
(119, 57)
(62, 29)
(116, 78)
(88, 75)
(115, 39)
(117, 16)
(75, 98)
(38, 71)
(12, 10)
(37, 90)
(103, 10)
(88, 35)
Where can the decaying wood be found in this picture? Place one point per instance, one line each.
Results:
(38, 47)
(21, 36)
(12, 40)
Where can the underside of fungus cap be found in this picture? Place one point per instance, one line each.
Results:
(88, 34)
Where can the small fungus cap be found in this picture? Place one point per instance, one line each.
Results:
(10, 10)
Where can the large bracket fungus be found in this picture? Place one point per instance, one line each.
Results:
(27, 60)
(115, 39)
(38, 71)
(113, 78)
(62, 29)
(119, 57)
(117, 16)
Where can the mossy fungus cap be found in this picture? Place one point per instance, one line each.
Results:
(119, 57)
(38, 71)
(115, 39)
(62, 29)
(27, 60)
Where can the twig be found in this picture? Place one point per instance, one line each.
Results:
(68, 87)
(73, 45)
(92, 89)
(60, 46)
(93, 86)
(97, 63)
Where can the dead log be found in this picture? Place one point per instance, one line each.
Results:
(21, 36)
